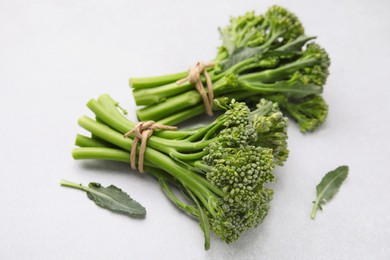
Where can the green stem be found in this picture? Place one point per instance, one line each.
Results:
(202, 166)
(101, 153)
(188, 157)
(314, 210)
(182, 115)
(170, 106)
(175, 135)
(272, 75)
(174, 199)
(84, 141)
(149, 82)
(74, 185)
(287, 88)
(150, 96)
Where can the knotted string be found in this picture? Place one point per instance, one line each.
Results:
(143, 131)
(194, 77)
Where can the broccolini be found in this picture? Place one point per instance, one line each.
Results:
(261, 56)
(222, 168)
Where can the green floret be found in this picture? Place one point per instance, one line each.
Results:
(284, 25)
(309, 113)
(262, 32)
(251, 36)
(265, 126)
(241, 173)
(233, 221)
(271, 127)
(221, 168)
(318, 73)
(238, 171)
(243, 31)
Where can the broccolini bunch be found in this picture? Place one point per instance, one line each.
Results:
(222, 168)
(261, 56)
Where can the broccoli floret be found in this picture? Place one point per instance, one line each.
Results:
(241, 174)
(283, 24)
(318, 73)
(243, 31)
(271, 127)
(271, 30)
(309, 113)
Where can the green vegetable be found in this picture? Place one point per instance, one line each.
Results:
(111, 198)
(222, 168)
(328, 187)
(262, 56)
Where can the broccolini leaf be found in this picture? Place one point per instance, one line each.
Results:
(296, 44)
(242, 54)
(328, 187)
(111, 198)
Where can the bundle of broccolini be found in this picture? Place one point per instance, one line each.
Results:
(262, 56)
(222, 168)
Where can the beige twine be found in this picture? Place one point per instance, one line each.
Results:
(143, 131)
(194, 77)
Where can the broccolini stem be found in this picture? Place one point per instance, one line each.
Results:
(314, 210)
(170, 106)
(150, 96)
(203, 133)
(202, 166)
(173, 198)
(272, 75)
(101, 153)
(84, 141)
(149, 82)
(188, 157)
(182, 115)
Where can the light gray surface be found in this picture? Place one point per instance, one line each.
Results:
(55, 55)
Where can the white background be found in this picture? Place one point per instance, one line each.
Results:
(56, 55)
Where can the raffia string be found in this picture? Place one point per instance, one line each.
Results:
(143, 131)
(194, 77)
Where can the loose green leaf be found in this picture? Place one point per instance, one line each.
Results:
(328, 187)
(111, 198)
